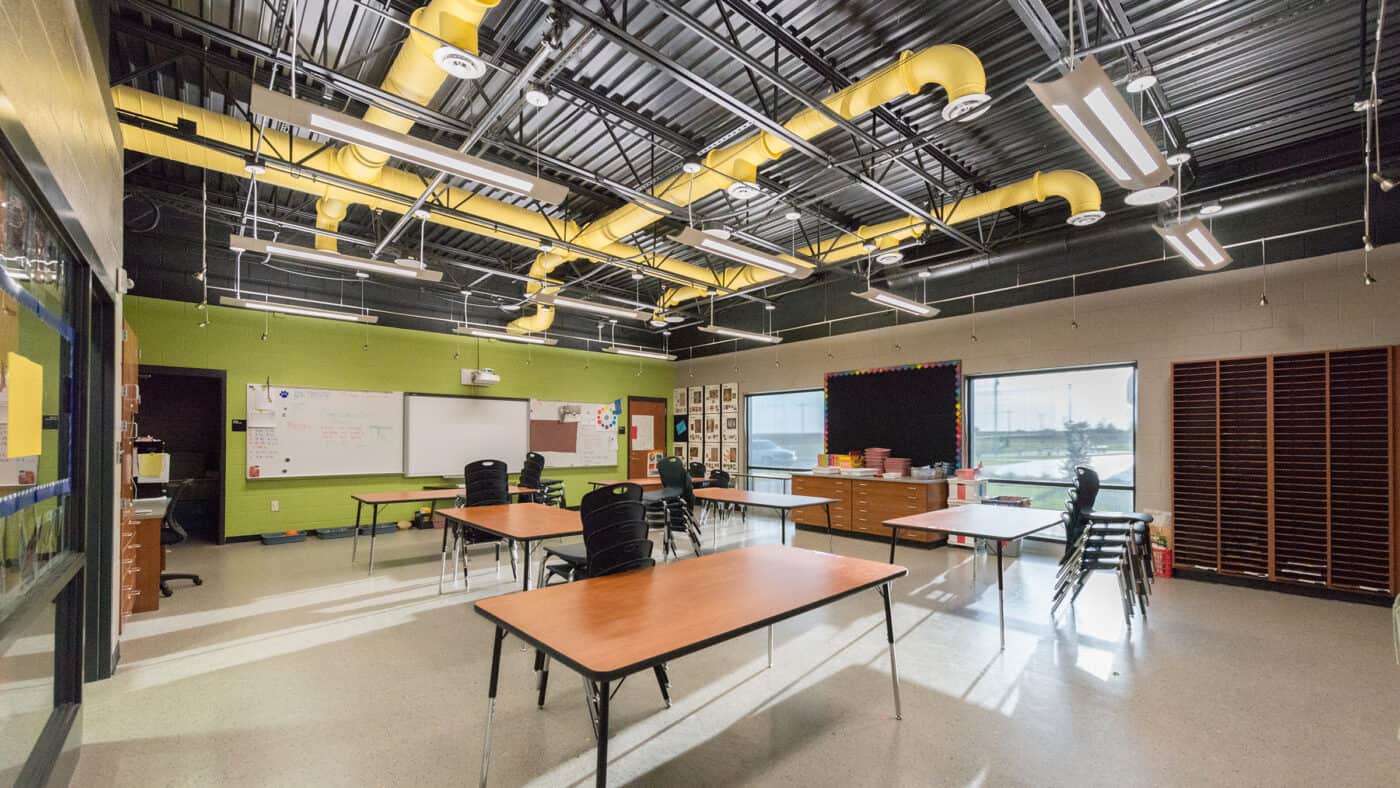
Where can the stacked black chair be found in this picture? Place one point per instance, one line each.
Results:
(171, 532)
(552, 493)
(1100, 541)
(530, 475)
(615, 540)
(697, 471)
(672, 507)
(486, 485)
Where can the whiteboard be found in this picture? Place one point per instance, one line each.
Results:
(295, 432)
(574, 434)
(443, 433)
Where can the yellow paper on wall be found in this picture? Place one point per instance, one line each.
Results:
(25, 410)
(150, 464)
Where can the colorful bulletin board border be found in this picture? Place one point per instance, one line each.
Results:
(957, 397)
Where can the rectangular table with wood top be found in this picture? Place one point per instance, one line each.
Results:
(783, 502)
(378, 499)
(644, 482)
(522, 522)
(980, 521)
(607, 628)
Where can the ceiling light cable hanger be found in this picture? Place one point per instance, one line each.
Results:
(1264, 272)
(1372, 107)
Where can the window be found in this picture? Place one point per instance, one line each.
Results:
(1029, 431)
(786, 431)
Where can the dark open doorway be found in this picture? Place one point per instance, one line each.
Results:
(185, 408)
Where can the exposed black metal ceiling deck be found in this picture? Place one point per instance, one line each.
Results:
(1259, 90)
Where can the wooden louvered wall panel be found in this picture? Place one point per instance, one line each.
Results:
(1300, 468)
(1285, 467)
(1244, 466)
(1195, 447)
(1359, 413)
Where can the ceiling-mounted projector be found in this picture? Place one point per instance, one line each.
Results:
(480, 377)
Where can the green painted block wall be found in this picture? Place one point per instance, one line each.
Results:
(304, 351)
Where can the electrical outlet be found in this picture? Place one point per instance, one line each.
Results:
(276, 504)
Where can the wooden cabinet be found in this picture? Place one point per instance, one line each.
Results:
(866, 503)
(1284, 468)
(140, 566)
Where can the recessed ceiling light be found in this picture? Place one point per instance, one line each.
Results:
(1211, 208)
(1152, 195)
(1141, 81)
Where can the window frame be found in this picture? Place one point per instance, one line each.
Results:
(748, 424)
(970, 432)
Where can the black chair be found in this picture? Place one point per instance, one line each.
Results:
(671, 508)
(615, 540)
(1099, 541)
(697, 471)
(715, 513)
(530, 475)
(171, 532)
(486, 485)
(552, 493)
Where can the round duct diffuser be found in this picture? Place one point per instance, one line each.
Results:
(965, 108)
(889, 258)
(1151, 195)
(1085, 218)
(460, 64)
(741, 190)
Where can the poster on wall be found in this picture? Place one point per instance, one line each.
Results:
(730, 459)
(712, 399)
(712, 428)
(679, 450)
(680, 430)
(697, 452)
(654, 459)
(712, 455)
(680, 401)
(729, 428)
(697, 401)
(729, 397)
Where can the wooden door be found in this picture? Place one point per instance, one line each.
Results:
(647, 429)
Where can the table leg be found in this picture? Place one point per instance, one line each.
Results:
(894, 537)
(373, 526)
(604, 690)
(442, 569)
(770, 645)
(355, 541)
(491, 703)
(889, 635)
(829, 543)
(524, 564)
(1001, 598)
(782, 526)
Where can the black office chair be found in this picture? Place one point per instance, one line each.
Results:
(171, 532)
(486, 485)
(1097, 541)
(671, 508)
(530, 475)
(615, 540)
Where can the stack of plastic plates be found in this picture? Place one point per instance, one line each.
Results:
(897, 465)
(875, 458)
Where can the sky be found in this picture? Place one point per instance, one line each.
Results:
(1047, 400)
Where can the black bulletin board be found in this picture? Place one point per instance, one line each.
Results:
(915, 411)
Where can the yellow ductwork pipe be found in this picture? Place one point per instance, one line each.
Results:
(413, 75)
(953, 67)
(1076, 188)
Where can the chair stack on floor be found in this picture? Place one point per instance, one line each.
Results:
(530, 476)
(1113, 541)
(615, 528)
(671, 508)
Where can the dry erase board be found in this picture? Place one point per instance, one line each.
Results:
(444, 433)
(295, 432)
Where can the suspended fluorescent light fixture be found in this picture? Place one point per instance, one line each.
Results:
(707, 242)
(739, 333)
(348, 128)
(293, 309)
(1092, 110)
(886, 298)
(639, 353)
(580, 305)
(243, 243)
(483, 333)
(1194, 241)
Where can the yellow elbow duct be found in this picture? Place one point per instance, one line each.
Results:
(1076, 188)
(414, 75)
